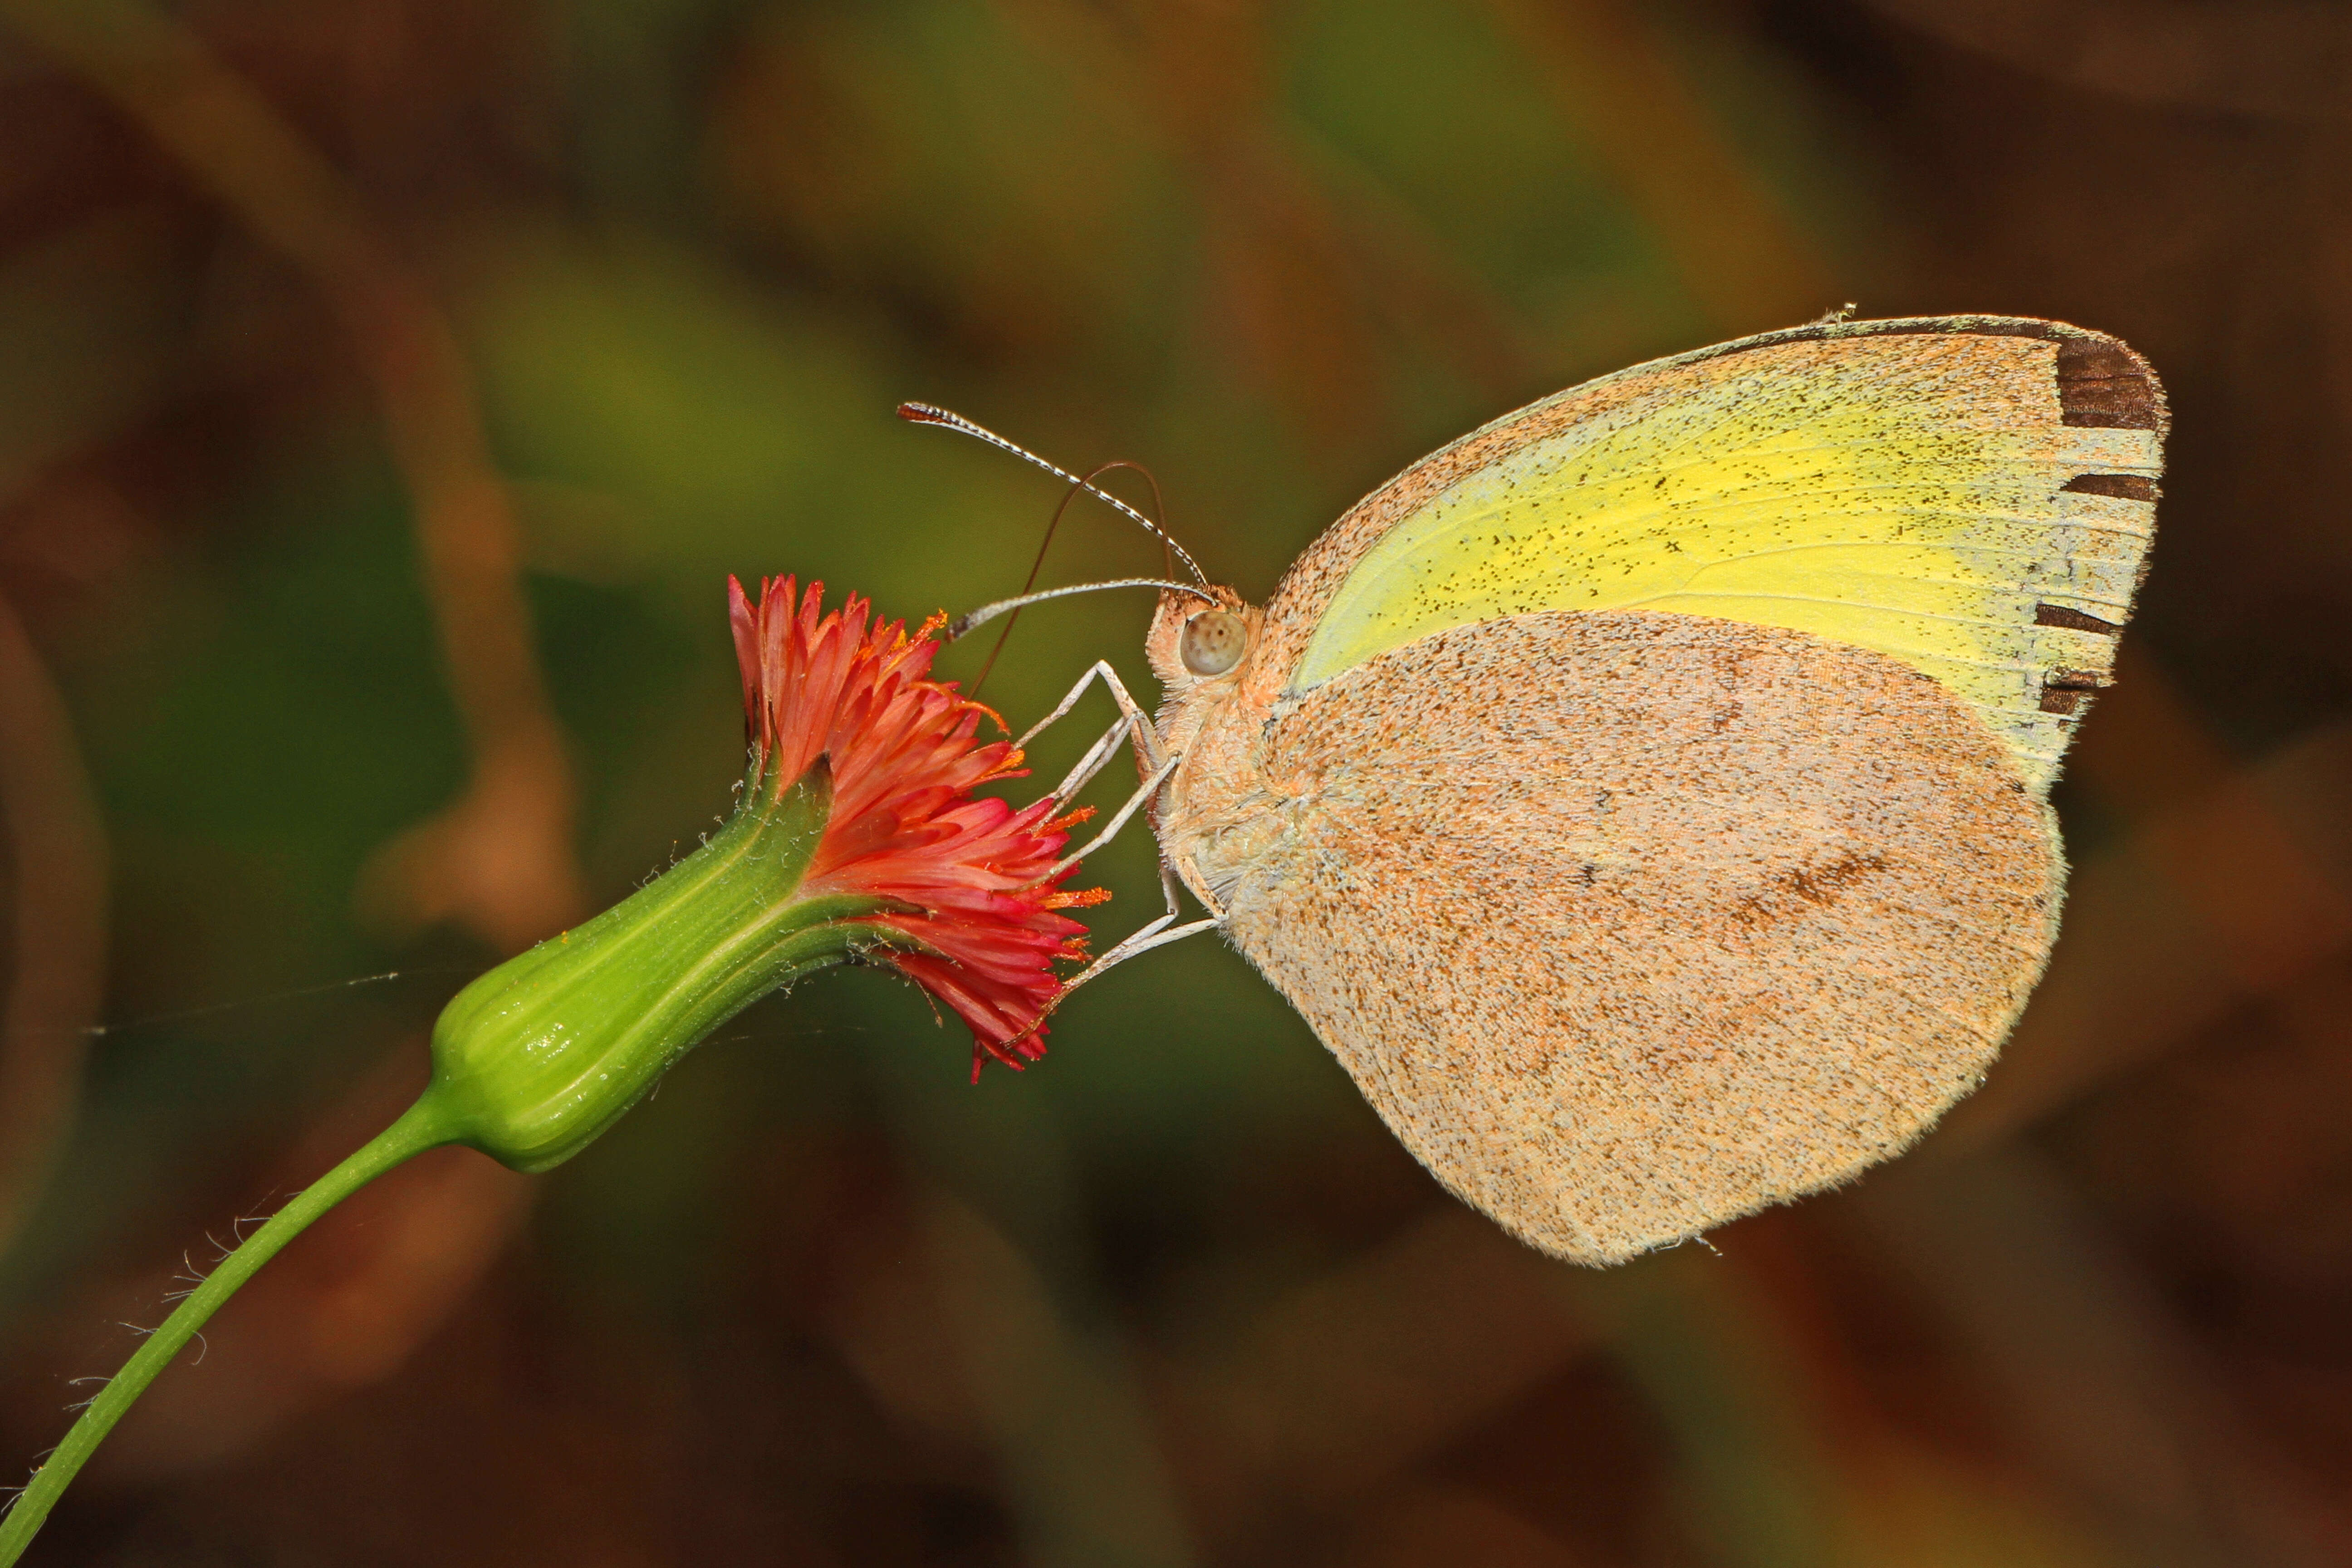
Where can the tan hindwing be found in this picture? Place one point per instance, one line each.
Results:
(1629, 923)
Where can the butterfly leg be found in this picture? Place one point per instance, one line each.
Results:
(1135, 802)
(1098, 756)
(1132, 723)
(1135, 724)
(1149, 754)
(1146, 734)
(1169, 889)
(1158, 933)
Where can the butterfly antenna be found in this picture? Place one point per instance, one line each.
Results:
(1031, 581)
(963, 625)
(1046, 544)
(925, 414)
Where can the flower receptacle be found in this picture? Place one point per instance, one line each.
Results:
(535, 1060)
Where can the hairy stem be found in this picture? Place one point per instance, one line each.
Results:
(422, 1127)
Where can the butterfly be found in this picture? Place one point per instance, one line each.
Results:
(1645, 796)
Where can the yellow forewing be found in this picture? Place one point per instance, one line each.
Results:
(1907, 493)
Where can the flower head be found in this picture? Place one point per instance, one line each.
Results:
(972, 882)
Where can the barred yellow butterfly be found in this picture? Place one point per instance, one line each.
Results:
(1645, 796)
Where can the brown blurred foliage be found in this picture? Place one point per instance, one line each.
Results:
(384, 390)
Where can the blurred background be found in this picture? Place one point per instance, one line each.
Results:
(387, 389)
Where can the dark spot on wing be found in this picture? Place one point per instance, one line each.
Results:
(2064, 690)
(2102, 384)
(2077, 620)
(2124, 486)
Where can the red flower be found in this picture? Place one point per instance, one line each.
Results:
(905, 753)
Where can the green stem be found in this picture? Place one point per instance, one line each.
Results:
(423, 1126)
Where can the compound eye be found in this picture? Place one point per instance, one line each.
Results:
(1213, 642)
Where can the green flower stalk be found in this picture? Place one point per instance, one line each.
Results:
(857, 838)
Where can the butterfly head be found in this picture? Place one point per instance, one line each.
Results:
(1202, 649)
(1196, 639)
